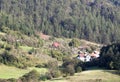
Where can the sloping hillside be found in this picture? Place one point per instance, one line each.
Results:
(94, 20)
(7, 72)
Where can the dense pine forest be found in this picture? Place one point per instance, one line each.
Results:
(110, 56)
(93, 20)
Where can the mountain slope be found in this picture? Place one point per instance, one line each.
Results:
(94, 20)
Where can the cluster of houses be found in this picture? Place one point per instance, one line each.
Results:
(83, 55)
(86, 57)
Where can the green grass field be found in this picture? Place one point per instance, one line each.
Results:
(7, 72)
(91, 76)
(25, 48)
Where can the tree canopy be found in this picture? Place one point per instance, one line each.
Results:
(110, 56)
(94, 20)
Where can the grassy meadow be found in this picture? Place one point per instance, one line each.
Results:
(25, 48)
(7, 72)
(91, 76)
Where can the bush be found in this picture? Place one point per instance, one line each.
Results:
(74, 62)
(74, 42)
(57, 54)
(17, 44)
(12, 80)
(40, 65)
(31, 51)
(70, 66)
(69, 70)
(8, 47)
(44, 77)
(89, 50)
(52, 65)
(1, 45)
(93, 48)
(40, 42)
(54, 69)
(32, 76)
(49, 75)
(78, 69)
(8, 59)
(4, 29)
(55, 73)
(11, 60)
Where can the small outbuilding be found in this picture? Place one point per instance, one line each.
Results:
(56, 44)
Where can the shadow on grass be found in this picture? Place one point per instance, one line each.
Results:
(112, 72)
(57, 79)
(104, 70)
(93, 80)
(94, 68)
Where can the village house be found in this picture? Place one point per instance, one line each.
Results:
(95, 54)
(56, 44)
(81, 56)
(86, 57)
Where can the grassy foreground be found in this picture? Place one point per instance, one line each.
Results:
(99, 75)
(91, 76)
(7, 72)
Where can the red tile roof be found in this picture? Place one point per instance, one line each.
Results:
(56, 44)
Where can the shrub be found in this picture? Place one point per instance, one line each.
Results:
(52, 65)
(51, 74)
(74, 42)
(74, 62)
(12, 80)
(40, 65)
(8, 47)
(57, 54)
(53, 70)
(8, 59)
(31, 51)
(17, 44)
(69, 70)
(93, 48)
(32, 76)
(4, 29)
(55, 73)
(78, 69)
(47, 76)
(40, 42)
(43, 77)
(70, 66)
(89, 50)
(52, 38)
(1, 45)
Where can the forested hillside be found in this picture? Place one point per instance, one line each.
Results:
(110, 56)
(94, 20)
